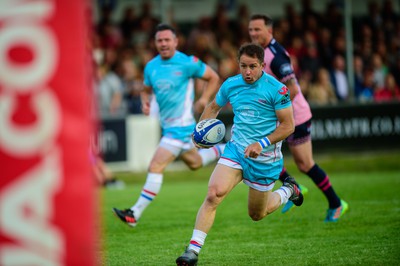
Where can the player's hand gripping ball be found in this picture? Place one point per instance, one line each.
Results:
(208, 132)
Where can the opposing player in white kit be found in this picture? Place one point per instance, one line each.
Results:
(263, 118)
(169, 77)
(277, 63)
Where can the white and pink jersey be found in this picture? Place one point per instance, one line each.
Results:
(277, 64)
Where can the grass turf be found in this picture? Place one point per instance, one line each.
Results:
(367, 235)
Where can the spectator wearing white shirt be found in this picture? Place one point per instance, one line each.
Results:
(110, 93)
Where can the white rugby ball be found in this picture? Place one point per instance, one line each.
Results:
(209, 132)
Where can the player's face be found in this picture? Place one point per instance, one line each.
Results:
(250, 68)
(166, 43)
(259, 32)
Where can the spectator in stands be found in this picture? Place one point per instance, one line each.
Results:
(98, 52)
(110, 34)
(133, 83)
(308, 11)
(325, 49)
(105, 11)
(310, 60)
(367, 93)
(339, 42)
(221, 24)
(339, 78)
(388, 14)
(282, 31)
(110, 91)
(202, 40)
(395, 69)
(142, 37)
(358, 67)
(374, 18)
(110, 59)
(240, 25)
(364, 44)
(296, 47)
(304, 81)
(380, 70)
(146, 14)
(389, 92)
(298, 26)
(321, 91)
(129, 24)
(376, 32)
(332, 18)
(227, 49)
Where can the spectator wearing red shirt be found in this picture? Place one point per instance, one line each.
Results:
(389, 92)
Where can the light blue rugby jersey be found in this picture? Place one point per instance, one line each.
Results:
(173, 87)
(254, 108)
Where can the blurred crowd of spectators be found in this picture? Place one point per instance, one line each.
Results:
(316, 42)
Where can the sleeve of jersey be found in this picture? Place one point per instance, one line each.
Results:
(146, 78)
(221, 98)
(282, 68)
(282, 98)
(197, 67)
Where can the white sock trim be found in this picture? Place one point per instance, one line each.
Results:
(285, 194)
(197, 240)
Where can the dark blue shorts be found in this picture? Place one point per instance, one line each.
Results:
(301, 134)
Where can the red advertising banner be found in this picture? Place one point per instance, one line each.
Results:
(46, 187)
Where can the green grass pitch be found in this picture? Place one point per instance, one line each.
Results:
(368, 234)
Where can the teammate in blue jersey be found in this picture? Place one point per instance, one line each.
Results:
(169, 77)
(263, 118)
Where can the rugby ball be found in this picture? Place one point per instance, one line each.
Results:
(209, 132)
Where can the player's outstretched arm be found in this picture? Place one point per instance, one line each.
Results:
(213, 82)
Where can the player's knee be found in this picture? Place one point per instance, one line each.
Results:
(304, 167)
(194, 165)
(256, 216)
(214, 197)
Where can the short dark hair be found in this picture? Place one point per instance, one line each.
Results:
(252, 50)
(163, 26)
(267, 19)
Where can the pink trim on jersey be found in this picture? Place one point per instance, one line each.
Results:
(216, 151)
(268, 56)
(301, 108)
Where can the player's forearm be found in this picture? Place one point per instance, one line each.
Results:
(145, 97)
(145, 100)
(293, 88)
(281, 132)
(211, 111)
